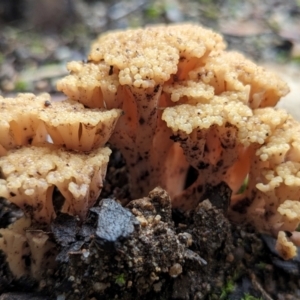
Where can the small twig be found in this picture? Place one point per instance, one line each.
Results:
(258, 287)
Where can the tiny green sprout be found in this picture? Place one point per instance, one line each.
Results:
(261, 265)
(227, 289)
(244, 186)
(295, 60)
(250, 297)
(154, 11)
(21, 86)
(120, 280)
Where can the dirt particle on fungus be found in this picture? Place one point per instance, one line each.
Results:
(47, 103)
(156, 88)
(141, 121)
(220, 163)
(111, 70)
(149, 97)
(202, 165)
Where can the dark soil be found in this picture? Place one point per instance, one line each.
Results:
(149, 251)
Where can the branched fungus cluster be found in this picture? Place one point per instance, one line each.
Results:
(187, 102)
(168, 98)
(73, 163)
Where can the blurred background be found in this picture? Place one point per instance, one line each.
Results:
(38, 37)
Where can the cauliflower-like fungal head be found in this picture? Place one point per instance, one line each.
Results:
(96, 86)
(72, 126)
(271, 200)
(144, 71)
(218, 139)
(140, 58)
(19, 123)
(28, 119)
(150, 56)
(290, 212)
(30, 174)
(285, 248)
(230, 71)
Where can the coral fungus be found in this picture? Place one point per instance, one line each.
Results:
(187, 102)
(168, 98)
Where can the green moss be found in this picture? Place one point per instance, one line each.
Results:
(296, 60)
(209, 9)
(227, 289)
(120, 280)
(21, 86)
(154, 10)
(250, 297)
(261, 265)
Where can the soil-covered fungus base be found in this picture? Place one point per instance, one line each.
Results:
(152, 253)
(170, 101)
